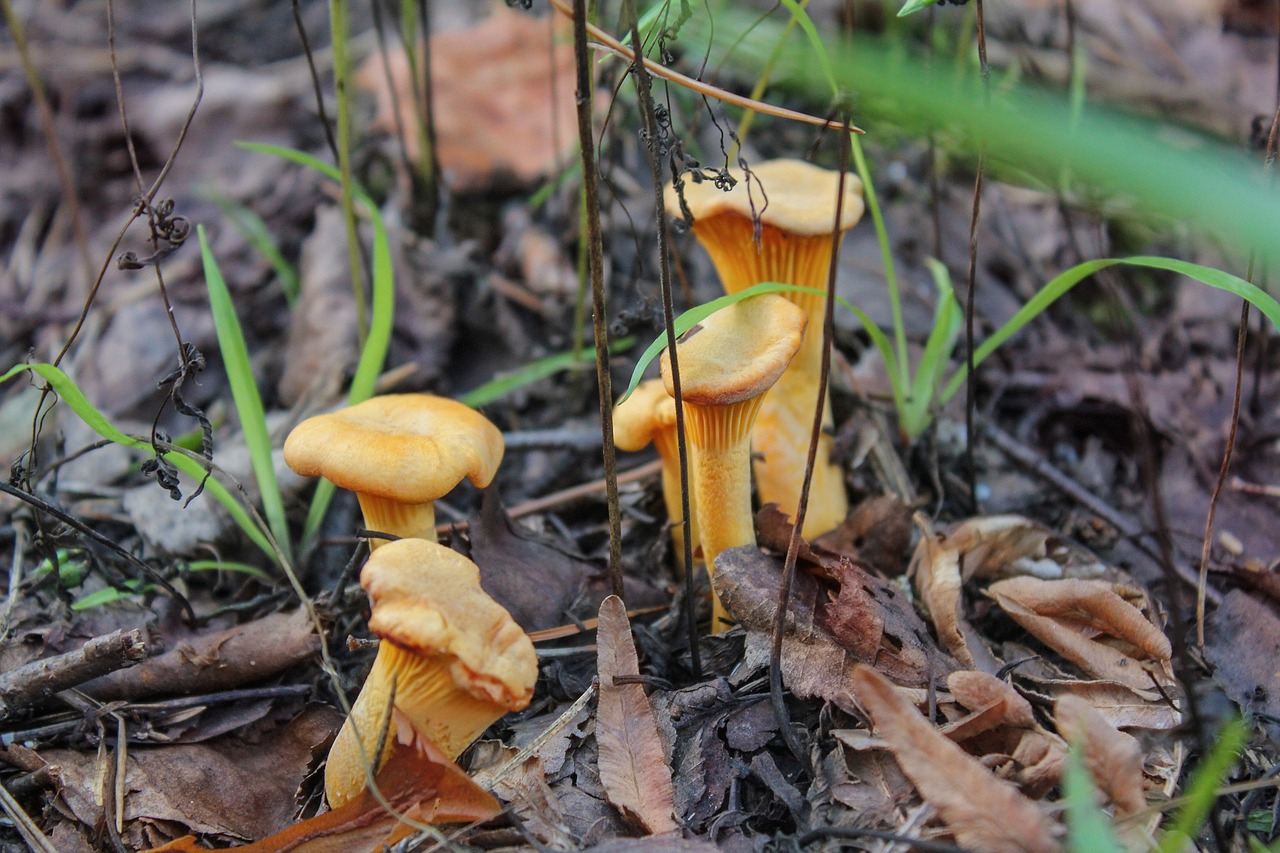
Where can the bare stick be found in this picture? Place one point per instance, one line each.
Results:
(595, 262)
(653, 143)
(26, 685)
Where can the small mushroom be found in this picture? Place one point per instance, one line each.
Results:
(398, 453)
(727, 363)
(452, 661)
(649, 415)
(794, 205)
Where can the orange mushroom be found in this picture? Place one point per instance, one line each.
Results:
(776, 224)
(727, 363)
(452, 662)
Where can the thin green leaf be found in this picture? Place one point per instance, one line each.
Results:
(110, 595)
(532, 372)
(802, 18)
(228, 566)
(1202, 789)
(1068, 279)
(937, 350)
(1088, 829)
(373, 355)
(256, 233)
(912, 6)
(244, 391)
(75, 399)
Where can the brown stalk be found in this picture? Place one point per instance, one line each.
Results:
(971, 465)
(609, 43)
(793, 546)
(644, 95)
(595, 265)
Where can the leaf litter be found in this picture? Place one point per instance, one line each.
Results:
(1003, 643)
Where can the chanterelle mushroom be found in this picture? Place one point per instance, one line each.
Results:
(649, 415)
(456, 659)
(795, 205)
(398, 453)
(727, 363)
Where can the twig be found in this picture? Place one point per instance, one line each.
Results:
(25, 825)
(653, 142)
(15, 577)
(815, 434)
(595, 263)
(26, 685)
(609, 43)
(1242, 337)
(488, 779)
(970, 402)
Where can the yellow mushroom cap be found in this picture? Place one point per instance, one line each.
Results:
(738, 352)
(791, 195)
(411, 448)
(427, 599)
(638, 420)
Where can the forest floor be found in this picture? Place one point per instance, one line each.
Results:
(1059, 608)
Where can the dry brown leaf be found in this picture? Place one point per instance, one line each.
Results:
(992, 703)
(1113, 758)
(983, 812)
(418, 781)
(633, 768)
(935, 571)
(1118, 705)
(507, 110)
(813, 662)
(1067, 615)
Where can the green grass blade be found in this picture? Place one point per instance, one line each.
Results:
(1088, 829)
(937, 350)
(256, 233)
(819, 50)
(75, 400)
(244, 391)
(1202, 788)
(373, 354)
(228, 566)
(1064, 281)
(110, 595)
(912, 6)
(532, 372)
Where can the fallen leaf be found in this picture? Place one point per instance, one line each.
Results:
(538, 584)
(633, 768)
(1092, 625)
(1113, 758)
(876, 532)
(1243, 644)
(503, 102)
(418, 781)
(1118, 705)
(813, 662)
(992, 703)
(982, 811)
(229, 787)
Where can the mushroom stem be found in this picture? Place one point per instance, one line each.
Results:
(666, 443)
(403, 520)
(427, 699)
(721, 440)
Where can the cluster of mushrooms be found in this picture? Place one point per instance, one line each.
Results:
(451, 660)
(750, 373)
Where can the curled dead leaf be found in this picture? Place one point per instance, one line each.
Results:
(1113, 758)
(984, 812)
(1092, 624)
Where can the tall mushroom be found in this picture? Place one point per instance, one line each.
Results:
(727, 363)
(794, 205)
(452, 661)
(398, 453)
(649, 415)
